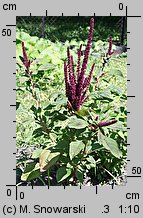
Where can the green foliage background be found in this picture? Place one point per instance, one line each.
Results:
(109, 102)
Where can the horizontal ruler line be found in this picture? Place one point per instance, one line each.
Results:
(133, 16)
(11, 25)
(134, 176)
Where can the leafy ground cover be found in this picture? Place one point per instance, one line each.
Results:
(70, 146)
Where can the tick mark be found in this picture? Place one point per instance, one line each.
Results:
(134, 176)
(112, 186)
(11, 25)
(96, 190)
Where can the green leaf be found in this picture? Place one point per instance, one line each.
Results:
(102, 95)
(116, 90)
(46, 67)
(17, 105)
(31, 172)
(23, 79)
(48, 159)
(111, 145)
(75, 148)
(83, 112)
(53, 136)
(91, 160)
(33, 108)
(79, 175)
(36, 153)
(118, 126)
(60, 101)
(38, 132)
(77, 123)
(96, 146)
(117, 73)
(21, 58)
(63, 173)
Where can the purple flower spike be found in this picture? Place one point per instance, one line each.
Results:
(72, 85)
(26, 62)
(77, 86)
(86, 56)
(78, 62)
(110, 52)
(107, 123)
(66, 79)
(88, 79)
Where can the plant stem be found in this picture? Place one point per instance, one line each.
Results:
(112, 176)
(42, 180)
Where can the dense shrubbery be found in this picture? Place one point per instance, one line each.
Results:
(75, 142)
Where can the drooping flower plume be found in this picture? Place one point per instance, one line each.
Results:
(106, 123)
(110, 52)
(76, 84)
(26, 62)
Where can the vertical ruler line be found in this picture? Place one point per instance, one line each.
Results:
(16, 192)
